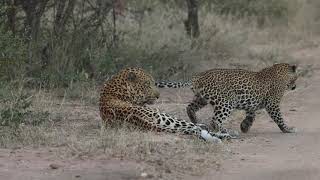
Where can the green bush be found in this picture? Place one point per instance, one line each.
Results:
(16, 106)
(151, 34)
(13, 55)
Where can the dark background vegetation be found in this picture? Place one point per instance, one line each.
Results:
(54, 42)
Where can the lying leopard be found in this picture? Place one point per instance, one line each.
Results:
(229, 89)
(124, 98)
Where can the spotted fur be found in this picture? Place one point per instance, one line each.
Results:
(168, 84)
(124, 98)
(229, 89)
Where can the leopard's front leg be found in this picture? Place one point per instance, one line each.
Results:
(274, 112)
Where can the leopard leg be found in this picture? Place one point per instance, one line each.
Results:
(247, 122)
(171, 124)
(153, 119)
(108, 116)
(222, 111)
(197, 103)
(273, 110)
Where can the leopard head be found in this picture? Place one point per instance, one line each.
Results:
(136, 86)
(288, 74)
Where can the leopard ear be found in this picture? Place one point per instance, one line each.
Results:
(132, 76)
(293, 68)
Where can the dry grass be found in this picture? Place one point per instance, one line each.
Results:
(74, 130)
(225, 42)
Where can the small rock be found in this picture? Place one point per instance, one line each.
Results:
(145, 175)
(168, 170)
(159, 162)
(54, 166)
(292, 110)
(200, 160)
(150, 176)
(77, 176)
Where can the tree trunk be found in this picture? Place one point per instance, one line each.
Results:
(33, 9)
(11, 15)
(192, 24)
(64, 10)
(114, 31)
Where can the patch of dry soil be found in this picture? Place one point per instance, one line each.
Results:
(43, 164)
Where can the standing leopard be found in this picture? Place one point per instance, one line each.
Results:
(229, 89)
(124, 98)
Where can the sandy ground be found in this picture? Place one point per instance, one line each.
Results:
(42, 164)
(264, 153)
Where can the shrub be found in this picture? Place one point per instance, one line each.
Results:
(16, 106)
(13, 55)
